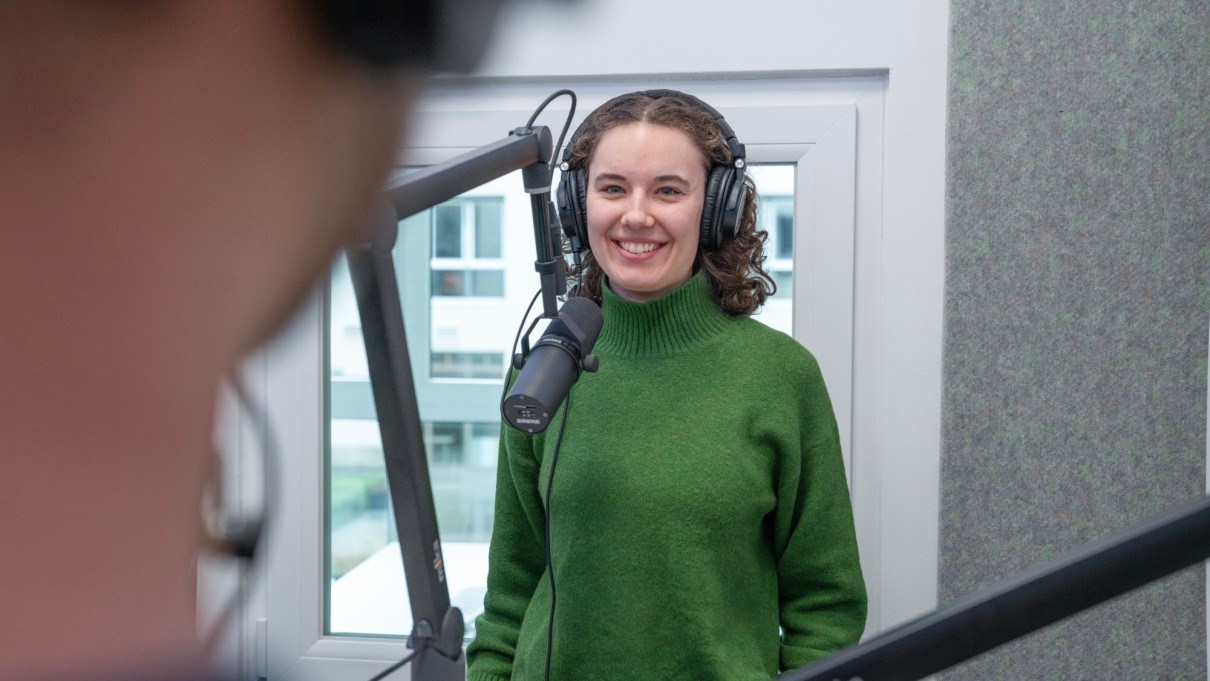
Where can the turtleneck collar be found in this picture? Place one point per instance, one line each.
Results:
(680, 320)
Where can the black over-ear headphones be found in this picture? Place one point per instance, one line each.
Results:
(726, 193)
(439, 35)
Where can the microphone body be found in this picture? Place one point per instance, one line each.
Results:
(553, 366)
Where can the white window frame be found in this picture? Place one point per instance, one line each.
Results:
(836, 165)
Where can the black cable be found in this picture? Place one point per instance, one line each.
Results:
(550, 566)
(566, 124)
(549, 483)
(387, 672)
(579, 272)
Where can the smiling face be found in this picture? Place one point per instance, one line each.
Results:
(646, 187)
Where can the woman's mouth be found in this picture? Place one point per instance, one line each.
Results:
(638, 247)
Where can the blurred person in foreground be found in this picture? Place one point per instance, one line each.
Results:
(174, 177)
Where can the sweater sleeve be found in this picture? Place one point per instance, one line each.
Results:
(516, 559)
(822, 596)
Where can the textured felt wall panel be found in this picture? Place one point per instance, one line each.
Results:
(1077, 300)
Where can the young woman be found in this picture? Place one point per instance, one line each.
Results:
(691, 518)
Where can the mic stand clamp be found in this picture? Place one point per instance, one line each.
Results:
(589, 363)
(447, 643)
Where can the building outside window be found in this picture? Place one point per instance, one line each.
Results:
(777, 218)
(467, 254)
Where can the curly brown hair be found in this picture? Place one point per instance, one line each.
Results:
(735, 271)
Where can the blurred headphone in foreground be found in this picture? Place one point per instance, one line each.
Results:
(438, 35)
(726, 192)
(229, 529)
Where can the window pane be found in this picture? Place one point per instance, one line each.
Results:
(447, 230)
(488, 283)
(488, 216)
(775, 215)
(468, 365)
(464, 480)
(445, 442)
(449, 282)
(784, 281)
(365, 568)
(468, 325)
(782, 208)
(479, 283)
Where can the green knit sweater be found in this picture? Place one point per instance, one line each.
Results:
(700, 521)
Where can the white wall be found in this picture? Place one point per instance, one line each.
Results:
(900, 266)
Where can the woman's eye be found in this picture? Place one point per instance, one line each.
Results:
(610, 189)
(668, 191)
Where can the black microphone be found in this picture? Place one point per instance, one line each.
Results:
(554, 364)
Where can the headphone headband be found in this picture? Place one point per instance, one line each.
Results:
(738, 151)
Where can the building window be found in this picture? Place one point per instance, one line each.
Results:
(777, 218)
(467, 258)
(489, 365)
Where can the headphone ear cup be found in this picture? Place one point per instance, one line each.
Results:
(573, 209)
(581, 205)
(711, 237)
(566, 214)
(723, 208)
(731, 210)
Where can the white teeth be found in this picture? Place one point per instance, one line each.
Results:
(633, 247)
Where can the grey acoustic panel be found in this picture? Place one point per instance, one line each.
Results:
(1077, 300)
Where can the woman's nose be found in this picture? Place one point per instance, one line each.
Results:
(638, 213)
